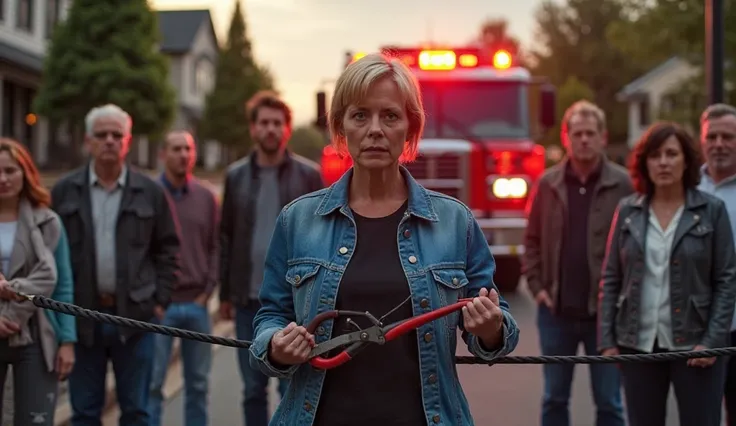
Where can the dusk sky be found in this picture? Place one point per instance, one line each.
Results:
(303, 42)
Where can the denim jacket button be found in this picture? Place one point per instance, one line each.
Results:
(436, 418)
(320, 331)
(343, 250)
(454, 281)
(428, 337)
(432, 379)
(424, 303)
(412, 259)
(308, 406)
(407, 233)
(297, 278)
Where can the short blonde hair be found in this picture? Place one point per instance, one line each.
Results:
(353, 85)
(584, 108)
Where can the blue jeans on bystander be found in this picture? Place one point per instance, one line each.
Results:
(131, 362)
(196, 359)
(562, 336)
(255, 395)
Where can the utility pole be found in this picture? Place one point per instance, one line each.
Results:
(714, 50)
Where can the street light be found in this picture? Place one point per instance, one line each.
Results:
(714, 50)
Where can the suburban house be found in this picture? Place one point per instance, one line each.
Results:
(647, 96)
(25, 26)
(189, 39)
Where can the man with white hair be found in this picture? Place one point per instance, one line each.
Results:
(124, 248)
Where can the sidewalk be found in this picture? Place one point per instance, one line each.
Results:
(173, 380)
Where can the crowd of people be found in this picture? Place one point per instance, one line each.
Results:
(638, 261)
(111, 238)
(620, 261)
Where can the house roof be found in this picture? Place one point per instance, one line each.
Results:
(19, 57)
(636, 87)
(179, 28)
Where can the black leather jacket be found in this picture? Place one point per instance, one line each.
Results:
(147, 247)
(702, 274)
(297, 176)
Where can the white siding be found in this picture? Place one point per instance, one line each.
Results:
(656, 89)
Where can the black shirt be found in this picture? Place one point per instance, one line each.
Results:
(575, 282)
(382, 384)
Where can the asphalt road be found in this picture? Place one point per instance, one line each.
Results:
(506, 395)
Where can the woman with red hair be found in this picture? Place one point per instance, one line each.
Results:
(37, 344)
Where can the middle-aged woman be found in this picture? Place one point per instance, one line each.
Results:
(394, 249)
(38, 344)
(669, 282)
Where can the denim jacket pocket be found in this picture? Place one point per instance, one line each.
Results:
(302, 277)
(452, 283)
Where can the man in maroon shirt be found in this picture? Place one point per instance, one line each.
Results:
(197, 213)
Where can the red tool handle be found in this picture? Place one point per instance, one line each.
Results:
(330, 363)
(396, 331)
(339, 359)
(418, 321)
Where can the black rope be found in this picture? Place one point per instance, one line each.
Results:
(74, 310)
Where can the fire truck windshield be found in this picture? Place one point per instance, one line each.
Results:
(482, 109)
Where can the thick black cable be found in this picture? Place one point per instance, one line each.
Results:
(74, 310)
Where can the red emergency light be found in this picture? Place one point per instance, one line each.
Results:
(446, 59)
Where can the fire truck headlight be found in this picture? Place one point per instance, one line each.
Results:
(509, 188)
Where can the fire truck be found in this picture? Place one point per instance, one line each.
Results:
(478, 142)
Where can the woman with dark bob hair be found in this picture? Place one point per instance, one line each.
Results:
(669, 282)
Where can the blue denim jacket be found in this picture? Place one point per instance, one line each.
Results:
(445, 257)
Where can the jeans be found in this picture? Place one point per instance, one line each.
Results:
(35, 388)
(255, 396)
(131, 362)
(698, 391)
(729, 399)
(562, 336)
(197, 361)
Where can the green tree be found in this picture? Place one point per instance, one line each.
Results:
(662, 29)
(571, 91)
(237, 79)
(308, 142)
(494, 35)
(107, 52)
(267, 80)
(575, 42)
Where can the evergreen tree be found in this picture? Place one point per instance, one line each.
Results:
(237, 78)
(107, 52)
(575, 41)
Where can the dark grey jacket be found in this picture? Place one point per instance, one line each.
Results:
(702, 274)
(147, 247)
(297, 176)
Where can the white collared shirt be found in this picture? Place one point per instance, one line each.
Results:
(725, 190)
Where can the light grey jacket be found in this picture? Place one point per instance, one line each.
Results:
(32, 270)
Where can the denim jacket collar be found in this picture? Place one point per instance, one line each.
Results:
(420, 204)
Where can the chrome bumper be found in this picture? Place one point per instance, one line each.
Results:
(504, 235)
